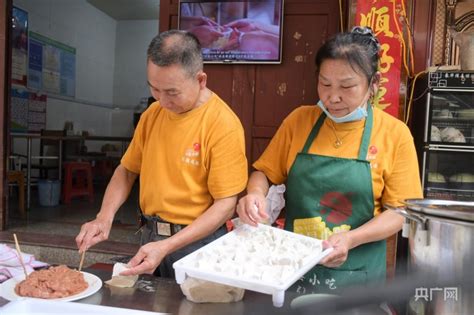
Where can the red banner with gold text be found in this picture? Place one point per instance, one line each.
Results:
(378, 15)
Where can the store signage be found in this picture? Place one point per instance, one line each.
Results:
(378, 15)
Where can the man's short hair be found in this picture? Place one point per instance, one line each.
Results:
(176, 47)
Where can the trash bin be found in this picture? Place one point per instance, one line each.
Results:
(49, 192)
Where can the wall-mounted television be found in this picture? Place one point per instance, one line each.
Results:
(235, 31)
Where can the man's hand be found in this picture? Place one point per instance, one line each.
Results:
(147, 259)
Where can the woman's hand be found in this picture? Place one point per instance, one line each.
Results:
(251, 209)
(206, 34)
(93, 232)
(341, 244)
(147, 259)
(245, 25)
(250, 25)
(188, 22)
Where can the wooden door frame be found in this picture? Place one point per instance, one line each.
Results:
(5, 62)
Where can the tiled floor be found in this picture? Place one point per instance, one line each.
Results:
(66, 220)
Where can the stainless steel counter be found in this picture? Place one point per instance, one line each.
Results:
(164, 295)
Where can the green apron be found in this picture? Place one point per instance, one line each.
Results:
(340, 191)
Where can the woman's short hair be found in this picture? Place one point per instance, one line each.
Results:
(176, 47)
(359, 47)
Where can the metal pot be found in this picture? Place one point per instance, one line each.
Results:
(440, 236)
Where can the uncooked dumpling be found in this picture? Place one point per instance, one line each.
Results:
(121, 281)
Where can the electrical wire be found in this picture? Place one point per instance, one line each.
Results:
(400, 35)
(421, 95)
(410, 99)
(340, 16)
(410, 37)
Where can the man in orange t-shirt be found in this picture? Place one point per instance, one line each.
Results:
(189, 151)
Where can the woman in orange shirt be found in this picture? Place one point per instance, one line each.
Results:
(341, 160)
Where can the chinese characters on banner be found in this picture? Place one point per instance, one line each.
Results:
(378, 15)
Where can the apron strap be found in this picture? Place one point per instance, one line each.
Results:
(313, 132)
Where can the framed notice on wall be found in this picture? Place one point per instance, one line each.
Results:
(51, 66)
(19, 46)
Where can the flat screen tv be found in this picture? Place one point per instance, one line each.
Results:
(231, 31)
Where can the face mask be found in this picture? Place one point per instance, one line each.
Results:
(358, 114)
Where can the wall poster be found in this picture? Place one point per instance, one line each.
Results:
(51, 66)
(19, 46)
(19, 110)
(28, 110)
(36, 112)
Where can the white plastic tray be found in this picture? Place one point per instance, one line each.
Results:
(186, 266)
(38, 306)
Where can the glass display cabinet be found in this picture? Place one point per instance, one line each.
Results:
(443, 128)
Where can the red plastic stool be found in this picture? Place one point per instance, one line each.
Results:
(77, 181)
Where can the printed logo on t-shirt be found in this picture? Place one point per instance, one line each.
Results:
(191, 155)
(372, 155)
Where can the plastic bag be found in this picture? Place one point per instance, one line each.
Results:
(275, 201)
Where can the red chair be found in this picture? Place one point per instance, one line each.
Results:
(77, 181)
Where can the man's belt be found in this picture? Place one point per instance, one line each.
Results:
(161, 227)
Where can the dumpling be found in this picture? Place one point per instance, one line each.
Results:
(451, 134)
(462, 178)
(435, 133)
(436, 177)
(462, 181)
(444, 113)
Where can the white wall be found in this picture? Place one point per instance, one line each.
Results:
(130, 83)
(71, 22)
(110, 65)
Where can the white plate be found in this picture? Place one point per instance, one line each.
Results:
(307, 299)
(8, 288)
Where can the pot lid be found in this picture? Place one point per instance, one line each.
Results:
(458, 210)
